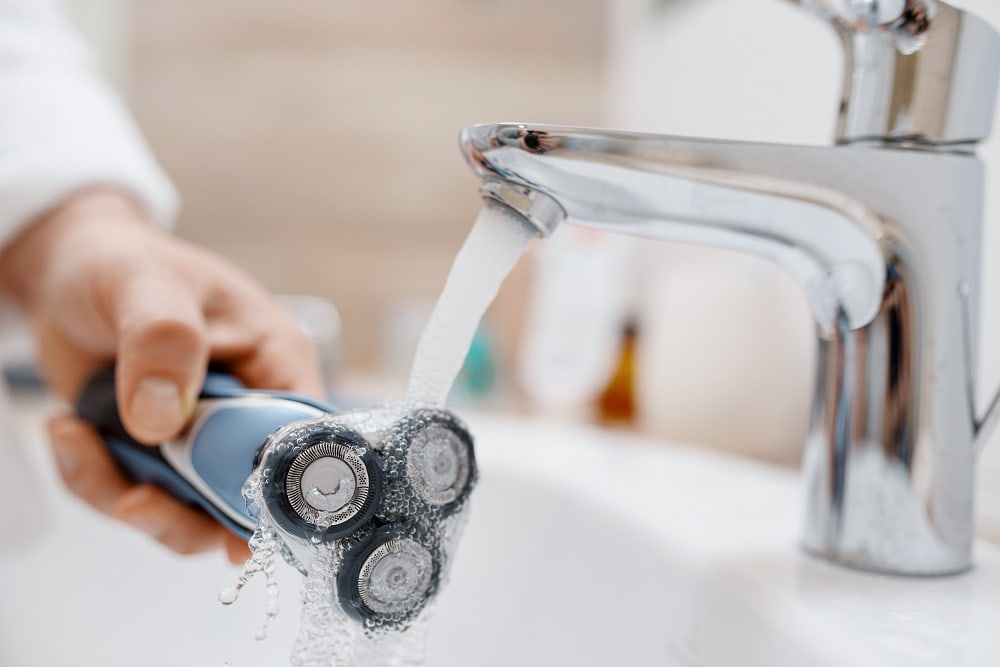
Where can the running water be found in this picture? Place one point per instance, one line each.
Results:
(497, 240)
(327, 638)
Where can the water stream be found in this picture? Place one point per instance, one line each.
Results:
(496, 242)
(327, 638)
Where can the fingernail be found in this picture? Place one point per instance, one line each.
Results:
(157, 405)
(67, 457)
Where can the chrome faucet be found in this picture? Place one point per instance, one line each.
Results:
(882, 232)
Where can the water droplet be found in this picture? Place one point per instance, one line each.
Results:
(229, 595)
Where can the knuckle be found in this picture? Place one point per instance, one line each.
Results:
(183, 546)
(165, 329)
(164, 340)
(75, 481)
(301, 343)
(137, 499)
(289, 338)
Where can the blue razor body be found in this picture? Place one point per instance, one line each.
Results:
(216, 456)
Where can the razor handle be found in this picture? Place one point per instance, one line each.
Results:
(208, 465)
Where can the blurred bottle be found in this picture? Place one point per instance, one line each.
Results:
(727, 352)
(580, 297)
(616, 404)
(478, 381)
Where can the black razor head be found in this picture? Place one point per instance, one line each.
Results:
(321, 479)
(381, 509)
(388, 575)
(430, 465)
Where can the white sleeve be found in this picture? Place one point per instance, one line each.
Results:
(62, 128)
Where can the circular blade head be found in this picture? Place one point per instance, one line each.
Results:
(388, 577)
(322, 479)
(439, 464)
(395, 577)
(430, 461)
(331, 483)
(327, 483)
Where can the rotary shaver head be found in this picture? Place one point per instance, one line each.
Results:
(371, 490)
(322, 479)
(430, 465)
(388, 575)
(375, 489)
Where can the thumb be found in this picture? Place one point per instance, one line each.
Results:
(161, 357)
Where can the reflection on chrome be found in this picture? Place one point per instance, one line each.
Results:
(882, 232)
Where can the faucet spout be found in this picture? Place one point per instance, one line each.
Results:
(885, 244)
(691, 191)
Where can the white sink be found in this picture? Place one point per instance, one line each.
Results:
(641, 554)
(584, 547)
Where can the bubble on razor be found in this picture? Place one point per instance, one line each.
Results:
(430, 464)
(368, 502)
(388, 576)
(438, 465)
(321, 480)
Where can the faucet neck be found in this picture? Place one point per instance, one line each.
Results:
(926, 78)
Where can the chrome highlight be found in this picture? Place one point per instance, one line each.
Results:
(882, 232)
(299, 496)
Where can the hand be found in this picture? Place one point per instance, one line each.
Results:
(101, 284)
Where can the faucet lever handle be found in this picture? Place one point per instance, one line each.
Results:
(919, 72)
(868, 15)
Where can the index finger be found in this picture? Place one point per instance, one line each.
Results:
(262, 343)
(284, 360)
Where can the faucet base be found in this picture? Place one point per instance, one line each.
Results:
(861, 564)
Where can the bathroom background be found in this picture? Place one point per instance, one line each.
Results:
(314, 144)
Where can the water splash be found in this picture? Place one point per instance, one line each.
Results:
(327, 637)
(264, 549)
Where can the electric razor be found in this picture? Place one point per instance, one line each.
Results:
(376, 486)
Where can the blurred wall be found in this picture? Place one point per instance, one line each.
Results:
(315, 142)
